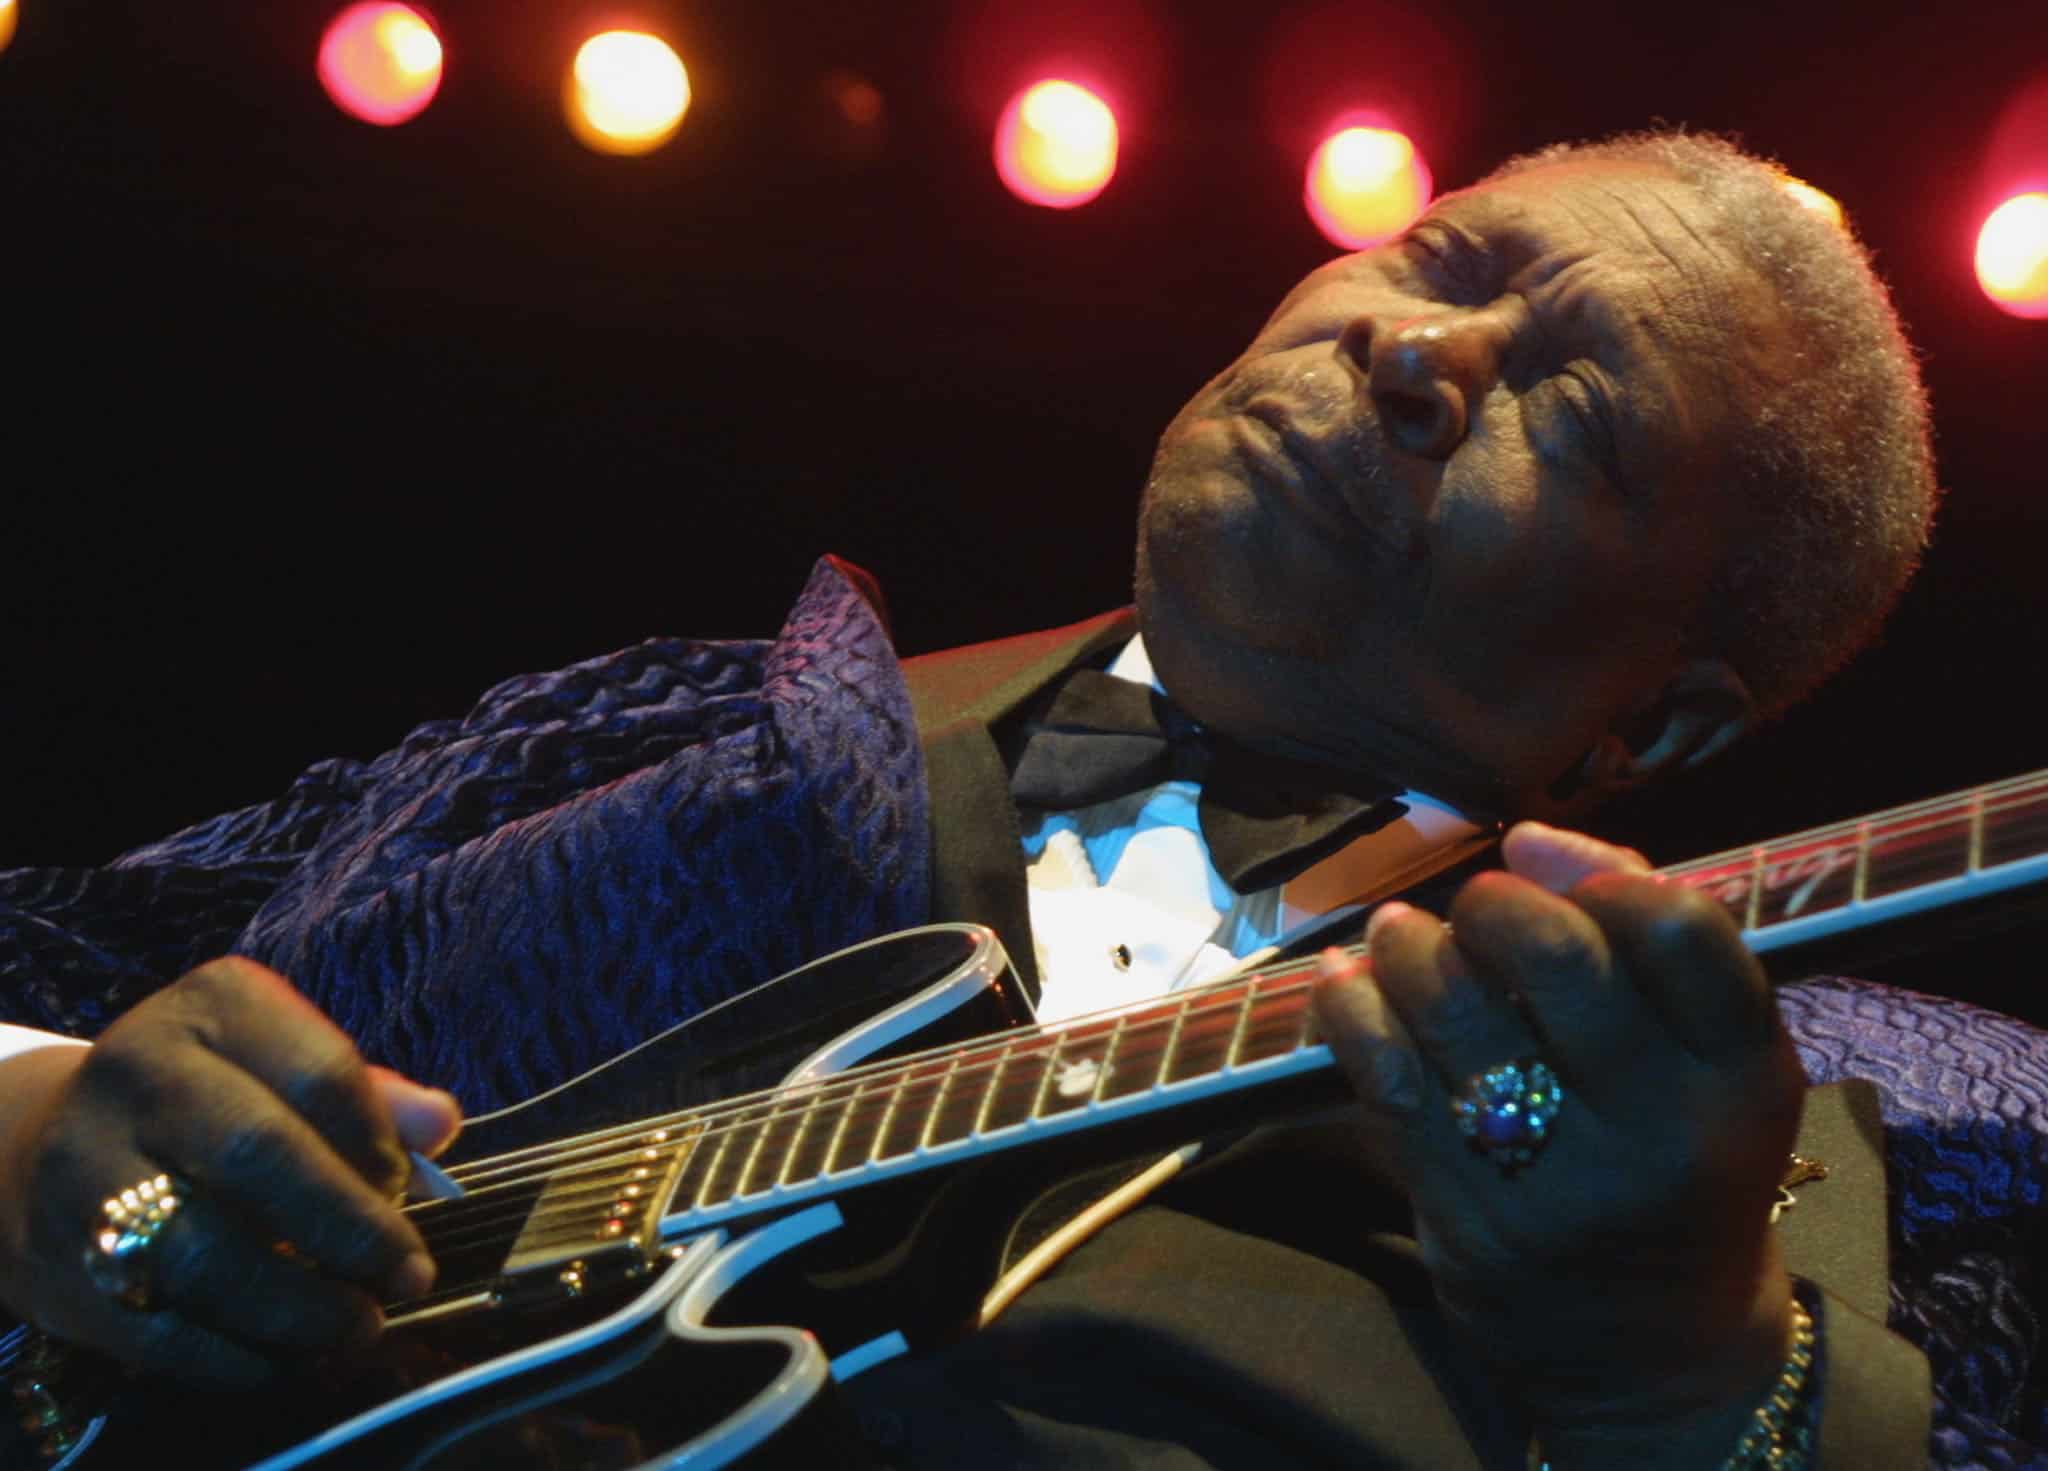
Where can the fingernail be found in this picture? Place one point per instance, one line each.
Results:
(1338, 966)
(412, 1279)
(1386, 914)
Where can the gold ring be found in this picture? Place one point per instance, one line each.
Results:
(122, 1258)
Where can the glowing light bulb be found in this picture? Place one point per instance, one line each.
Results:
(380, 62)
(1365, 185)
(7, 19)
(626, 92)
(1056, 145)
(2012, 256)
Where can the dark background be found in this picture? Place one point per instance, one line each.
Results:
(311, 430)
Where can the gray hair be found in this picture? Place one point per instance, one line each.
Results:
(1839, 468)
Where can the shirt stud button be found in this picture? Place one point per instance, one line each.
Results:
(1120, 956)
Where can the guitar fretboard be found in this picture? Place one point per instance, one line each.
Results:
(1834, 879)
(815, 1137)
(640, 1187)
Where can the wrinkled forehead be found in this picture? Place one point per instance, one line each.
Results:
(1625, 253)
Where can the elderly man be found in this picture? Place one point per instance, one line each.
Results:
(1606, 459)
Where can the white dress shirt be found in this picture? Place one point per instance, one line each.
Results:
(1125, 904)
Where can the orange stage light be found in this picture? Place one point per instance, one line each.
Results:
(2012, 256)
(1056, 144)
(1365, 184)
(380, 62)
(626, 92)
(7, 18)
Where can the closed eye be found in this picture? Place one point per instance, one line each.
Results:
(1452, 258)
(1591, 425)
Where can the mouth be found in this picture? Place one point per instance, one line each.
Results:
(1271, 431)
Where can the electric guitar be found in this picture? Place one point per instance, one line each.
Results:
(625, 1249)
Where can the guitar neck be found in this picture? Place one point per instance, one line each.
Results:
(639, 1187)
(1815, 886)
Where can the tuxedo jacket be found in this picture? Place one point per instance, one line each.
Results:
(1269, 1308)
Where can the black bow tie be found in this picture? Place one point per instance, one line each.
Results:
(1264, 818)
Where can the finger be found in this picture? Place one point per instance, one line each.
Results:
(1682, 952)
(1553, 956)
(172, 1345)
(238, 1144)
(220, 1274)
(251, 1016)
(223, 1303)
(1557, 860)
(1458, 1022)
(427, 1119)
(1365, 1036)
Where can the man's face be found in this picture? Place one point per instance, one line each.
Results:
(1465, 491)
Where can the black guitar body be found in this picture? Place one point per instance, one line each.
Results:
(667, 1376)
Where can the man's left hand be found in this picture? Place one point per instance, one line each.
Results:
(1626, 1273)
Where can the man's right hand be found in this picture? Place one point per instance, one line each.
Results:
(232, 1081)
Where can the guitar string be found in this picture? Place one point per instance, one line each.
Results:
(1884, 826)
(850, 1082)
(879, 1101)
(1690, 872)
(1998, 801)
(1229, 999)
(2021, 793)
(578, 1210)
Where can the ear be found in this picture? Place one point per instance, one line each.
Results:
(1702, 710)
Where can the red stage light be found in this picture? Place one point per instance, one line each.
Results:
(2012, 256)
(380, 62)
(1056, 144)
(1365, 184)
(626, 92)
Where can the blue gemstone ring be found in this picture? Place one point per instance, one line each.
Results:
(1507, 1111)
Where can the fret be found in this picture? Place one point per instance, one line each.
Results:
(910, 1107)
(838, 1138)
(1244, 1017)
(1905, 855)
(1274, 1030)
(1860, 888)
(956, 1112)
(712, 1161)
(875, 1150)
(1756, 891)
(1014, 1095)
(1052, 1062)
(1140, 1051)
(1108, 1063)
(1076, 1075)
(988, 1092)
(1976, 832)
(797, 1140)
(2015, 827)
(1170, 1052)
(1308, 1036)
(737, 1144)
(931, 1113)
(690, 1178)
(755, 1151)
(1210, 1027)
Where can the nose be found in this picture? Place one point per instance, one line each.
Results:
(1428, 375)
